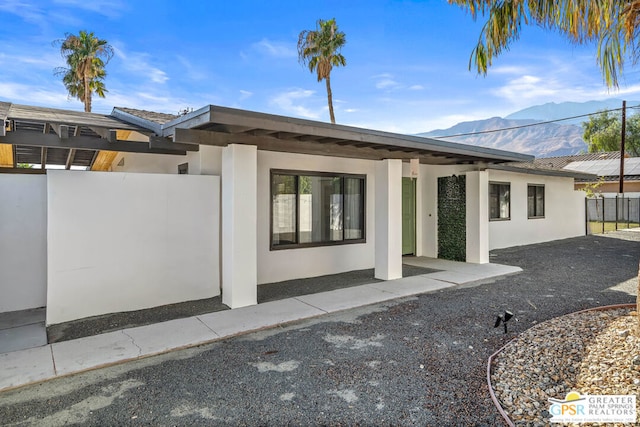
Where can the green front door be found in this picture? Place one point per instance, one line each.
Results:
(408, 216)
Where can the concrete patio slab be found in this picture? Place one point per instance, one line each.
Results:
(411, 286)
(485, 270)
(25, 366)
(22, 337)
(470, 273)
(456, 277)
(91, 352)
(342, 299)
(160, 337)
(226, 323)
(12, 319)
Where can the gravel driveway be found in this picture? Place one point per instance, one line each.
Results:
(415, 361)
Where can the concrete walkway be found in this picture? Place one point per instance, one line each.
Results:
(38, 364)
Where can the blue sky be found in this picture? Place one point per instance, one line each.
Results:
(407, 61)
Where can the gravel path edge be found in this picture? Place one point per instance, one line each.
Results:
(492, 393)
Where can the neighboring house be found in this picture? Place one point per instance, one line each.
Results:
(605, 168)
(266, 198)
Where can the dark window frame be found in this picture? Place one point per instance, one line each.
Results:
(297, 174)
(500, 185)
(183, 169)
(535, 201)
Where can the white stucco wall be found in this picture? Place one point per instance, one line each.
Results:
(286, 264)
(204, 162)
(122, 241)
(564, 211)
(23, 242)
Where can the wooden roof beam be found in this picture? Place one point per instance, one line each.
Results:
(110, 135)
(70, 157)
(37, 139)
(93, 159)
(166, 144)
(61, 130)
(43, 157)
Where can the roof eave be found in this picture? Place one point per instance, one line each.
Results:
(217, 115)
(545, 172)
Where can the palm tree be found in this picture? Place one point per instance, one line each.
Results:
(612, 24)
(75, 87)
(319, 49)
(86, 56)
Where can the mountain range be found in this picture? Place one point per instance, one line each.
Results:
(523, 135)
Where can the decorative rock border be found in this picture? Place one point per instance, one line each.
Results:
(492, 393)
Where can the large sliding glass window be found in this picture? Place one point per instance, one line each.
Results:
(312, 209)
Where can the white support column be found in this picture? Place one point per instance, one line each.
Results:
(388, 218)
(415, 173)
(477, 217)
(239, 225)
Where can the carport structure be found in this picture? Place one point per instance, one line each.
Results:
(70, 139)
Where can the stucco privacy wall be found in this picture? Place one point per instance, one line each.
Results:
(23, 246)
(286, 264)
(564, 212)
(123, 241)
(207, 161)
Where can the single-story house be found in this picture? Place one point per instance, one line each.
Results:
(221, 200)
(604, 169)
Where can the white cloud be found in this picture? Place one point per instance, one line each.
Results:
(386, 81)
(34, 95)
(627, 90)
(108, 8)
(416, 87)
(526, 87)
(292, 102)
(275, 49)
(509, 69)
(245, 94)
(25, 10)
(191, 71)
(139, 64)
(21, 64)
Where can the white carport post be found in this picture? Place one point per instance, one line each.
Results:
(239, 225)
(477, 217)
(388, 218)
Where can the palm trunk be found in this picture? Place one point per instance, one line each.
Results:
(87, 96)
(330, 99)
(638, 305)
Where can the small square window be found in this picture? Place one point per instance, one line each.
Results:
(183, 169)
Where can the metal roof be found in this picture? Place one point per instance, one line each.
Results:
(560, 162)
(533, 168)
(607, 168)
(220, 126)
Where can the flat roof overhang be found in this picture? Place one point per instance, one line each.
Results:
(221, 126)
(48, 136)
